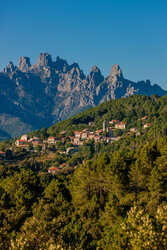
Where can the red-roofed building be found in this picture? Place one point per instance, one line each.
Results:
(53, 170)
(35, 141)
(63, 165)
(146, 125)
(144, 118)
(78, 134)
(121, 125)
(99, 132)
(52, 140)
(113, 122)
(20, 142)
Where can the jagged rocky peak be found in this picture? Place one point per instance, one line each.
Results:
(10, 68)
(94, 78)
(24, 63)
(44, 59)
(95, 69)
(61, 64)
(116, 71)
(74, 66)
(95, 74)
(75, 71)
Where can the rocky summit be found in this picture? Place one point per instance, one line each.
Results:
(34, 96)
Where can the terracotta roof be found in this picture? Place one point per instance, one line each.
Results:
(64, 164)
(51, 137)
(22, 140)
(114, 121)
(98, 131)
(1, 152)
(78, 132)
(54, 169)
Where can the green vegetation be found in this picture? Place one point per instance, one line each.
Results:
(125, 109)
(113, 197)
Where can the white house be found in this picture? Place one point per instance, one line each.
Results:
(25, 137)
(78, 134)
(121, 125)
(52, 140)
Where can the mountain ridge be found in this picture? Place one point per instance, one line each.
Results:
(48, 91)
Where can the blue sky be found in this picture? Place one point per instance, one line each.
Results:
(132, 33)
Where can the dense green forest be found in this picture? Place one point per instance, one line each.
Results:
(116, 197)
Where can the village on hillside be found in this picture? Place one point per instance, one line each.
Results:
(107, 134)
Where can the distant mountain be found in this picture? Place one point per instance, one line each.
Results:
(34, 96)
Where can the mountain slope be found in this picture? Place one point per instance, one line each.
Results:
(34, 96)
(99, 195)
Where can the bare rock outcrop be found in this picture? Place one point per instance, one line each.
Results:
(24, 63)
(44, 59)
(48, 91)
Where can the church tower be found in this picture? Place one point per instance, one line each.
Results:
(105, 126)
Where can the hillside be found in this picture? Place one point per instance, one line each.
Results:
(95, 194)
(128, 110)
(34, 96)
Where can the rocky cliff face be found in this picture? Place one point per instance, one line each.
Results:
(33, 96)
(24, 63)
